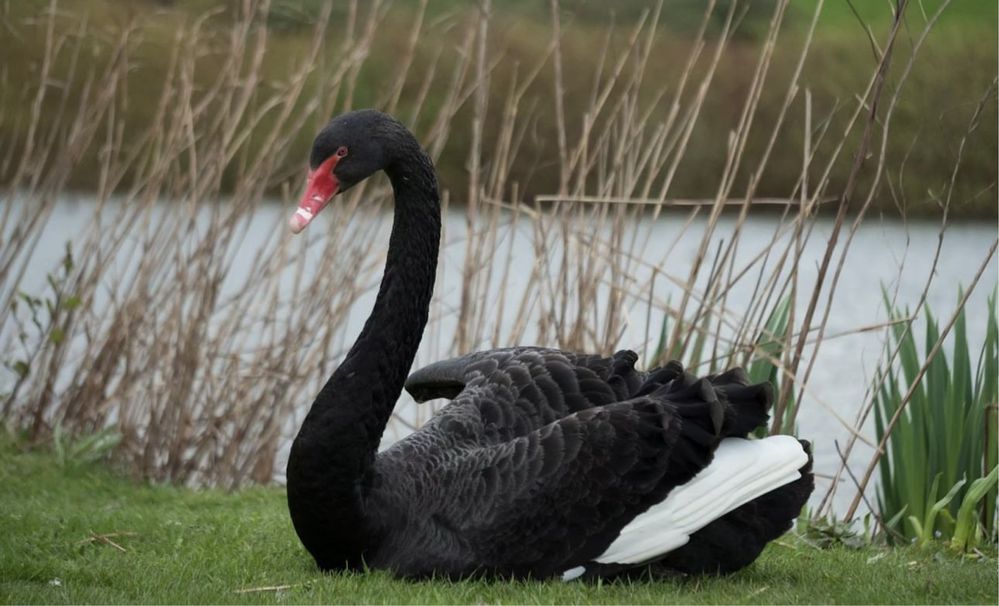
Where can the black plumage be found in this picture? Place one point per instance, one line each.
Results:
(541, 457)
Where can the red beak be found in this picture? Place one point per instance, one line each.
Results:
(322, 185)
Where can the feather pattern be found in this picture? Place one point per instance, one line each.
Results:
(741, 471)
(544, 457)
(544, 462)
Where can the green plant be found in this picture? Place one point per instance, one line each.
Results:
(42, 322)
(967, 529)
(829, 531)
(71, 453)
(769, 347)
(943, 432)
(925, 529)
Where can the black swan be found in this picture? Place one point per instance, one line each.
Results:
(545, 463)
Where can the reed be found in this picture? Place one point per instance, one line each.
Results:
(197, 338)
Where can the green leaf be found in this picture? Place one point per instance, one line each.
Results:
(967, 518)
(94, 447)
(929, 525)
(67, 259)
(31, 302)
(893, 523)
(21, 367)
(770, 344)
(58, 446)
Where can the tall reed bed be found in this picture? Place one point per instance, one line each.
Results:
(153, 328)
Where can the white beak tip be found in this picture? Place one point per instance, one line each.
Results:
(296, 224)
(299, 220)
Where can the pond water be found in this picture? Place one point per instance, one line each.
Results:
(886, 253)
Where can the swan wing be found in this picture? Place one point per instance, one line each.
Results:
(555, 497)
(504, 393)
(517, 390)
(599, 377)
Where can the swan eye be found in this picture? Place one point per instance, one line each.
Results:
(341, 152)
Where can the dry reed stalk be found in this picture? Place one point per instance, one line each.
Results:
(201, 340)
(152, 360)
(886, 120)
(871, 99)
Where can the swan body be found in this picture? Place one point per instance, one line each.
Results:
(545, 463)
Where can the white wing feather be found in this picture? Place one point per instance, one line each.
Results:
(740, 471)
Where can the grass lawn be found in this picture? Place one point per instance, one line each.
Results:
(165, 544)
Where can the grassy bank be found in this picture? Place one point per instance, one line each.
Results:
(75, 534)
(935, 108)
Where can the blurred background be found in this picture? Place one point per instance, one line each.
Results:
(805, 188)
(956, 66)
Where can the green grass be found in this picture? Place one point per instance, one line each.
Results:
(187, 546)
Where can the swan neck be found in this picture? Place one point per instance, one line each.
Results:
(330, 460)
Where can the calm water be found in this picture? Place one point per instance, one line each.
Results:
(887, 253)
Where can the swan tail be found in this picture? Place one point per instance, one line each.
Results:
(747, 405)
(742, 471)
(702, 415)
(658, 377)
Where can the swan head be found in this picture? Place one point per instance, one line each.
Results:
(348, 150)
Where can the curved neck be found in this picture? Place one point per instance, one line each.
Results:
(369, 381)
(335, 448)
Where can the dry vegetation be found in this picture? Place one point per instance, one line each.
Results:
(957, 63)
(152, 327)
